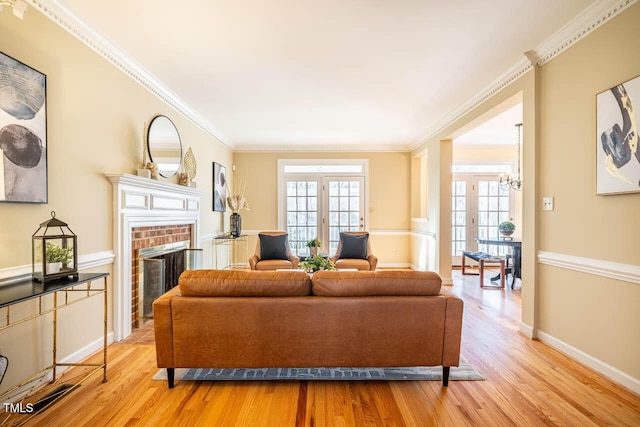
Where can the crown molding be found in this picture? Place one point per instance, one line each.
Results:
(586, 22)
(103, 47)
(512, 74)
(578, 28)
(253, 148)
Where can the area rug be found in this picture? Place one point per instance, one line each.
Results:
(464, 372)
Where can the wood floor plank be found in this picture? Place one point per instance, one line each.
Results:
(527, 384)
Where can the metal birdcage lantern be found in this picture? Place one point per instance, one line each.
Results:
(54, 251)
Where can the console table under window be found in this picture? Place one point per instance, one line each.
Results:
(65, 292)
(232, 245)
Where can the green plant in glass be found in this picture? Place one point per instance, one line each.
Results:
(55, 253)
(316, 263)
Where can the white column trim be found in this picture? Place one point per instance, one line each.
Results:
(612, 270)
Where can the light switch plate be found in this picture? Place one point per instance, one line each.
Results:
(547, 203)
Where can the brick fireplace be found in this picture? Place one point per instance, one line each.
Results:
(149, 237)
(146, 212)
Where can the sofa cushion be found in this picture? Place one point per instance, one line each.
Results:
(375, 283)
(244, 283)
(273, 264)
(353, 246)
(273, 246)
(358, 264)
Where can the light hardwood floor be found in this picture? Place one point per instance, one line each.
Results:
(527, 384)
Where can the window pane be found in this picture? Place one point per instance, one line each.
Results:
(354, 218)
(344, 188)
(333, 203)
(302, 189)
(493, 203)
(333, 188)
(344, 203)
(312, 188)
(354, 203)
(291, 188)
(291, 203)
(355, 188)
(493, 188)
(302, 204)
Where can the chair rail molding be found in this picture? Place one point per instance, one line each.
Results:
(612, 270)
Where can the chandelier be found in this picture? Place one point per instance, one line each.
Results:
(508, 181)
(19, 7)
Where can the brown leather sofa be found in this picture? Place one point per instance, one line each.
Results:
(267, 319)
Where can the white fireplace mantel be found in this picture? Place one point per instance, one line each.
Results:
(143, 202)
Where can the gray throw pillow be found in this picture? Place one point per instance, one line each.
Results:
(273, 247)
(353, 246)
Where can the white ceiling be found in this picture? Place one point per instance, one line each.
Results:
(358, 74)
(498, 130)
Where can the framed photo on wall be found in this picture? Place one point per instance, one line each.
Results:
(23, 133)
(219, 187)
(617, 150)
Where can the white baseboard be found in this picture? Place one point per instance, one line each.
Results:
(526, 330)
(605, 369)
(394, 265)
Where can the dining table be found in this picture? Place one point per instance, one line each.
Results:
(516, 244)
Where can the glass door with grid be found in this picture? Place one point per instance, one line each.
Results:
(479, 205)
(302, 213)
(322, 208)
(344, 208)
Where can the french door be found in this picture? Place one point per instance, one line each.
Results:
(479, 205)
(321, 207)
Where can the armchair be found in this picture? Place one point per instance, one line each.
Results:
(273, 252)
(354, 251)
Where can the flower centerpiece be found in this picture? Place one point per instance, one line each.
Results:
(236, 202)
(316, 263)
(313, 246)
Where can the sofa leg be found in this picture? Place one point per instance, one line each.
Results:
(445, 375)
(170, 376)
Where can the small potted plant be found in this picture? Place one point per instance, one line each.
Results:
(57, 257)
(506, 228)
(313, 246)
(316, 263)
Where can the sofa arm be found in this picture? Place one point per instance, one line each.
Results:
(163, 328)
(295, 261)
(373, 262)
(253, 261)
(452, 330)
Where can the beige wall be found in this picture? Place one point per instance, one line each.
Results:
(593, 317)
(95, 121)
(389, 187)
(596, 315)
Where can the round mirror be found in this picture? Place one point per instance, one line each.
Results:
(164, 146)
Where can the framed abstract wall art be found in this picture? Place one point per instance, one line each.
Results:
(219, 187)
(23, 133)
(617, 151)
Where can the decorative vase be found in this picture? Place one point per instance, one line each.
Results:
(236, 224)
(314, 251)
